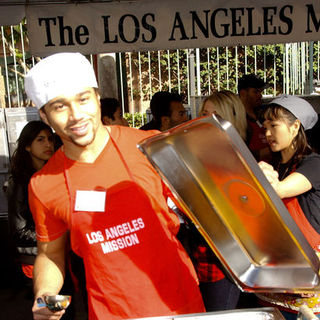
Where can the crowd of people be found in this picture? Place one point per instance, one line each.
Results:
(99, 197)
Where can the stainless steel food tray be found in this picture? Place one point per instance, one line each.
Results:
(240, 314)
(220, 186)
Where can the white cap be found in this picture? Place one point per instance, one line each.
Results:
(300, 108)
(59, 74)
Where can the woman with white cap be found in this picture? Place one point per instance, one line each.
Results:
(295, 176)
(285, 121)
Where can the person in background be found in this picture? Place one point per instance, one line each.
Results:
(295, 176)
(35, 146)
(229, 107)
(34, 149)
(250, 89)
(111, 113)
(167, 111)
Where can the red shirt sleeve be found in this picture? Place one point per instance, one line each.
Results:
(48, 227)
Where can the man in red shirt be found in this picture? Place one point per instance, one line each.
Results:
(250, 89)
(100, 192)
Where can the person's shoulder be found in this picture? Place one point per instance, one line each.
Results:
(150, 126)
(309, 162)
(13, 187)
(134, 133)
(50, 173)
(309, 168)
(55, 163)
(311, 157)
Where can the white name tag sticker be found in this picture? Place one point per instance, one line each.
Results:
(90, 201)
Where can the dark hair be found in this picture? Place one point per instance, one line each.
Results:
(160, 104)
(274, 111)
(251, 81)
(108, 107)
(21, 163)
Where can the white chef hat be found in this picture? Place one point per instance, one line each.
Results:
(59, 74)
(300, 108)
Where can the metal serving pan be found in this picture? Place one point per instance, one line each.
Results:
(239, 314)
(220, 186)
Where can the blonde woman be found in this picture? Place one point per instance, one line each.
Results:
(229, 107)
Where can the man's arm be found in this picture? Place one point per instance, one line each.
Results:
(48, 274)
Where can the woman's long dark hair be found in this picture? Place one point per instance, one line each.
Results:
(21, 163)
(276, 112)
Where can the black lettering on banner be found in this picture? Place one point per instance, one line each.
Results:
(286, 20)
(268, 20)
(312, 15)
(196, 21)
(250, 24)
(149, 27)
(62, 29)
(48, 30)
(236, 20)
(224, 25)
(107, 31)
(82, 31)
(178, 24)
(136, 28)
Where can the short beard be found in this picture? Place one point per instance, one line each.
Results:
(74, 141)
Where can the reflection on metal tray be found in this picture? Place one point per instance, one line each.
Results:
(239, 314)
(218, 183)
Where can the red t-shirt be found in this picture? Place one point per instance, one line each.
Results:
(257, 142)
(135, 267)
(48, 194)
(257, 136)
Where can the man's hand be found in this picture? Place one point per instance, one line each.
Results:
(48, 276)
(41, 312)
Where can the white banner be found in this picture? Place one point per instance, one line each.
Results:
(153, 25)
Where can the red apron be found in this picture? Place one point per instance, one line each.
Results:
(134, 266)
(292, 302)
(312, 236)
(293, 206)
